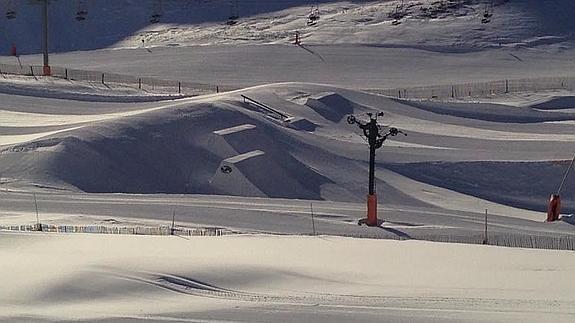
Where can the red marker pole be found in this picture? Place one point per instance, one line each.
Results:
(46, 69)
(296, 42)
(554, 207)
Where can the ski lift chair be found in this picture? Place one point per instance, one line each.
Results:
(80, 17)
(156, 12)
(314, 15)
(10, 14)
(81, 12)
(10, 9)
(155, 18)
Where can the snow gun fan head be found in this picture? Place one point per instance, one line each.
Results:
(351, 119)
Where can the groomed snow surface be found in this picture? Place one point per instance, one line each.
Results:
(263, 278)
(279, 164)
(457, 160)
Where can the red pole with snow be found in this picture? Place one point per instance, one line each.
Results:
(46, 71)
(554, 206)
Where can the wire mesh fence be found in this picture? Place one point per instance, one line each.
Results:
(514, 240)
(480, 89)
(446, 91)
(137, 230)
(145, 84)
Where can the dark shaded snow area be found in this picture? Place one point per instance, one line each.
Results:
(436, 25)
(525, 185)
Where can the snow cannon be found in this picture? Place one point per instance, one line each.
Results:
(375, 139)
(554, 207)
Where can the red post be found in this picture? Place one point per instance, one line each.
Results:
(13, 51)
(554, 208)
(296, 42)
(46, 71)
(371, 210)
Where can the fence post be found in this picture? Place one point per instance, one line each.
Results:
(217, 89)
(140, 83)
(506, 86)
(66, 73)
(485, 233)
(453, 91)
(312, 218)
(32, 70)
(179, 87)
(103, 78)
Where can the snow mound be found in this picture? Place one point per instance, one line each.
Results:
(332, 106)
(171, 151)
(220, 145)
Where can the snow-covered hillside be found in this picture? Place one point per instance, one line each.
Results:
(473, 149)
(459, 24)
(277, 157)
(61, 143)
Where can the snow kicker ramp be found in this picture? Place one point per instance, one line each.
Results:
(180, 148)
(507, 155)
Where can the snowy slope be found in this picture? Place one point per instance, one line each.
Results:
(251, 278)
(289, 164)
(431, 24)
(184, 146)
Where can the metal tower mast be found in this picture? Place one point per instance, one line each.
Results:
(375, 139)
